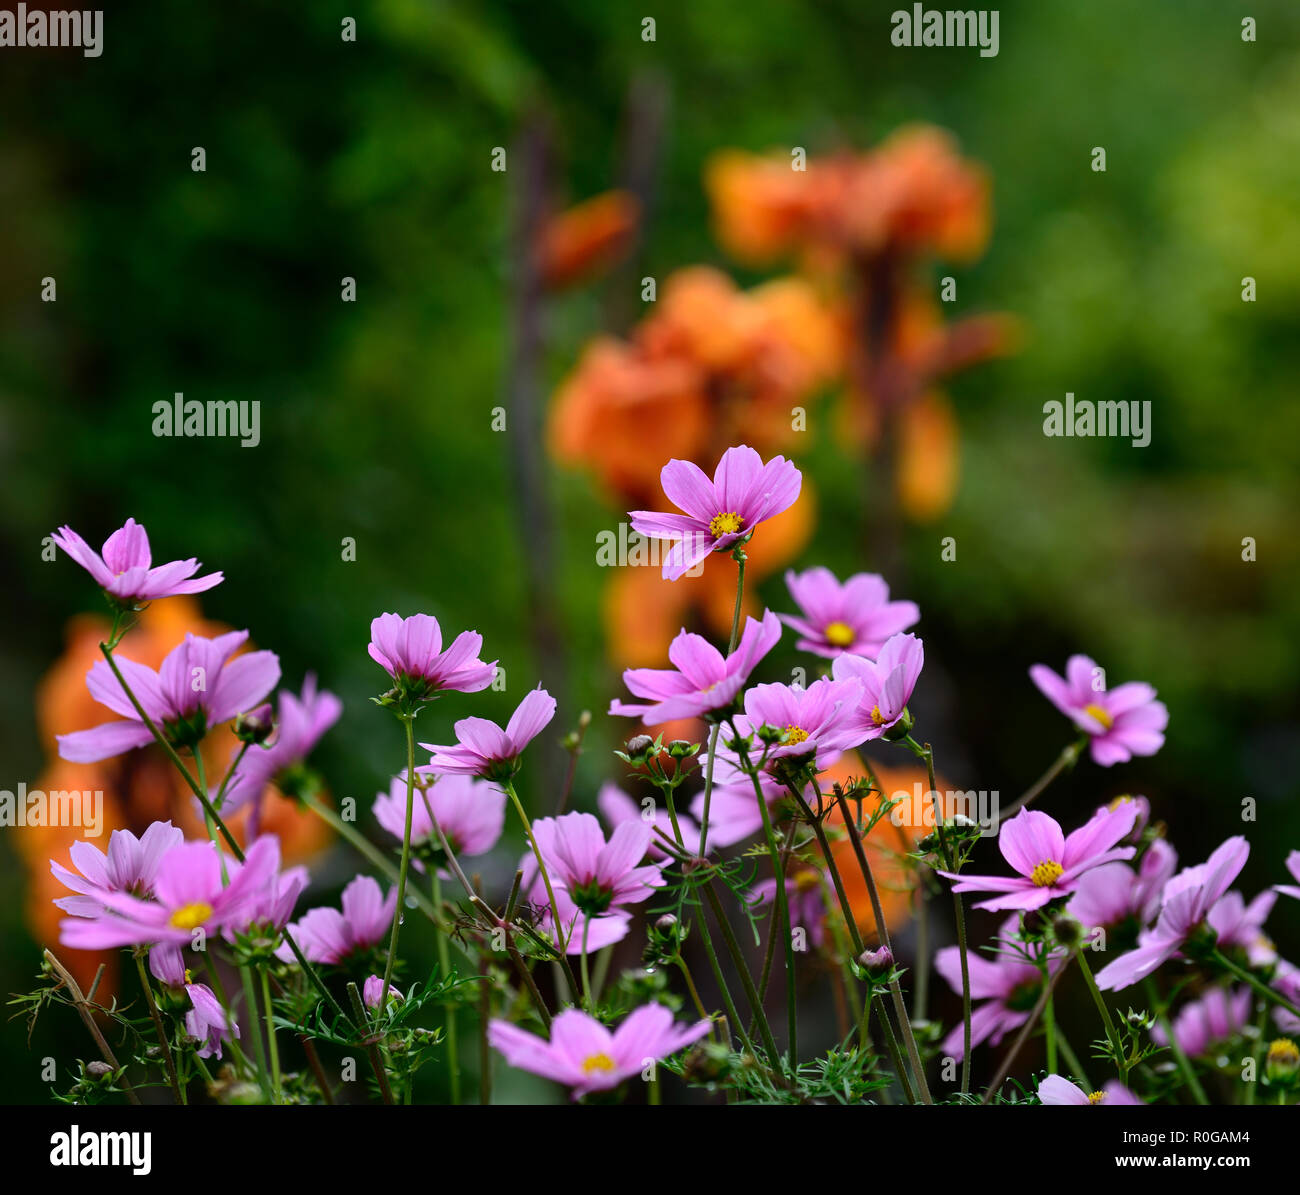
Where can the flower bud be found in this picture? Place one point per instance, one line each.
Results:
(1283, 1061)
(639, 749)
(680, 748)
(877, 963)
(1068, 931)
(255, 726)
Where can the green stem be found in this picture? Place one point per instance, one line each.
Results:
(444, 965)
(172, 1078)
(1259, 985)
(408, 722)
(746, 980)
(1121, 1063)
(1184, 1064)
(272, 1045)
(739, 556)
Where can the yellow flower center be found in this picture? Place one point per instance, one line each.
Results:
(1092, 709)
(806, 881)
(795, 734)
(1283, 1051)
(1118, 801)
(725, 524)
(1046, 873)
(1097, 1097)
(876, 716)
(839, 634)
(191, 916)
(597, 1062)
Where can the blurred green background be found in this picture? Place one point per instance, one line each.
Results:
(372, 160)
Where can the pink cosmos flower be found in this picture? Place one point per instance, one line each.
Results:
(206, 1020)
(471, 813)
(567, 924)
(718, 513)
(597, 874)
(122, 569)
(820, 721)
(326, 935)
(1293, 866)
(887, 683)
(1287, 981)
(373, 990)
(584, 1055)
(702, 679)
(1239, 924)
(1008, 984)
(1121, 722)
(198, 687)
(616, 807)
(1188, 899)
(1112, 893)
(130, 866)
(302, 722)
(410, 651)
(188, 895)
(856, 617)
(270, 908)
(1049, 863)
(483, 749)
(1058, 1090)
(1216, 1017)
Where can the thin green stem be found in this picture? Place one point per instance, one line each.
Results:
(738, 555)
(1117, 1046)
(1180, 1056)
(444, 966)
(271, 1042)
(172, 1077)
(1269, 994)
(399, 909)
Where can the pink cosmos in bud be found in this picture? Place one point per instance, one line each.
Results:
(701, 679)
(410, 651)
(856, 617)
(483, 749)
(1187, 901)
(887, 682)
(373, 990)
(189, 895)
(1121, 722)
(585, 1056)
(1055, 1089)
(1049, 864)
(471, 813)
(1213, 1019)
(326, 935)
(198, 687)
(720, 513)
(130, 866)
(207, 1022)
(122, 568)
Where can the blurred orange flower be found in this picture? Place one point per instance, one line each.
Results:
(140, 787)
(586, 239)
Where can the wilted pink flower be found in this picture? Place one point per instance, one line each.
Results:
(484, 749)
(302, 722)
(410, 651)
(198, 687)
(188, 895)
(1188, 899)
(820, 721)
(856, 617)
(584, 1055)
(1049, 863)
(206, 1021)
(1217, 1016)
(122, 569)
(702, 679)
(1110, 894)
(617, 807)
(130, 866)
(326, 935)
(1058, 1090)
(373, 989)
(887, 682)
(1008, 983)
(471, 813)
(718, 513)
(1121, 722)
(1293, 866)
